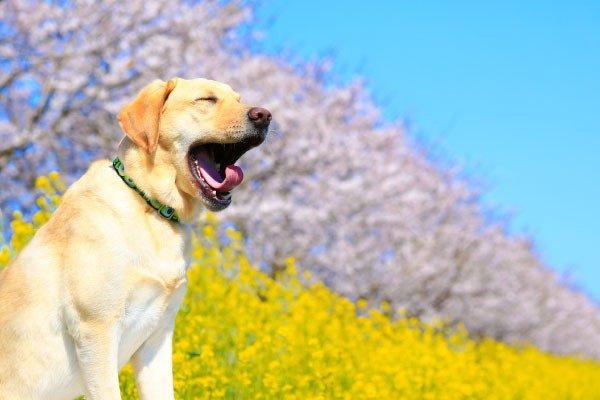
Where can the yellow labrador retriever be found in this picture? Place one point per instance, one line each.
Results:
(101, 282)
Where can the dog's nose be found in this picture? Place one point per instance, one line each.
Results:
(259, 116)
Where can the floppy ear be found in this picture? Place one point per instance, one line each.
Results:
(139, 119)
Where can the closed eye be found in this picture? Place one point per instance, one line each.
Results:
(211, 99)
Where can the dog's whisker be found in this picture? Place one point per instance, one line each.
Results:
(274, 132)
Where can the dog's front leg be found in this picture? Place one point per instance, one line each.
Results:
(97, 353)
(152, 364)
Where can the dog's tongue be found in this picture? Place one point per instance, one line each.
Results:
(233, 174)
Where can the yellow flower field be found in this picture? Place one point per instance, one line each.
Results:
(243, 335)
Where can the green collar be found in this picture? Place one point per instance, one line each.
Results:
(164, 210)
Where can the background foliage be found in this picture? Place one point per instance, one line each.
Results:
(243, 335)
(351, 198)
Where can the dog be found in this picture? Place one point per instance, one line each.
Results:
(101, 282)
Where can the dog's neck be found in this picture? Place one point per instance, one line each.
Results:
(156, 175)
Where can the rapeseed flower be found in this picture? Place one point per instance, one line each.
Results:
(241, 334)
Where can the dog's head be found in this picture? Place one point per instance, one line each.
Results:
(202, 127)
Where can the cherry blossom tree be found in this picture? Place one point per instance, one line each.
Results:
(350, 196)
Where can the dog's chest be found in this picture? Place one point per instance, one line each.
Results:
(155, 295)
(147, 312)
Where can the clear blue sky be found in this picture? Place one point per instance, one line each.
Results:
(510, 91)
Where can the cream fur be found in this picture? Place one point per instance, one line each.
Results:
(100, 284)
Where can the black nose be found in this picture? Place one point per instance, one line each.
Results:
(259, 116)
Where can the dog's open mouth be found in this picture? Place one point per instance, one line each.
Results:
(215, 173)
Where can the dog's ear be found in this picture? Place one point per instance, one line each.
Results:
(140, 118)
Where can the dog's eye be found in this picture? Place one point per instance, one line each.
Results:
(210, 99)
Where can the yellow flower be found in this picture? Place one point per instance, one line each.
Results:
(362, 304)
(4, 256)
(242, 335)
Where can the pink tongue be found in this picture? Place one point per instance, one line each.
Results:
(233, 175)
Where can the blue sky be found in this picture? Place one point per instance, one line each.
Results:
(510, 91)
